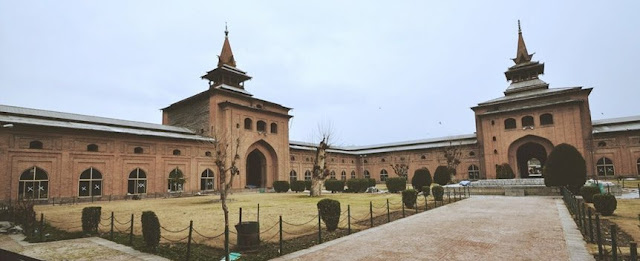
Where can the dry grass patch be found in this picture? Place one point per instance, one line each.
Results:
(626, 217)
(208, 219)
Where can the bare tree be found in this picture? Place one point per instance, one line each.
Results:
(452, 154)
(320, 171)
(402, 170)
(225, 156)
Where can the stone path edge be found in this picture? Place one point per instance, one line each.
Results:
(576, 245)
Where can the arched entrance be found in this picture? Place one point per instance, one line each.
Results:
(531, 158)
(256, 169)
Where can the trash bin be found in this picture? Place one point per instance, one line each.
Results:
(248, 235)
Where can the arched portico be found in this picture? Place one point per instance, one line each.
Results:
(261, 165)
(528, 155)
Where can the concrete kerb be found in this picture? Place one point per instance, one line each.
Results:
(364, 233)
(575, 242)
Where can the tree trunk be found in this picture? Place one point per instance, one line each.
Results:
(316, 187)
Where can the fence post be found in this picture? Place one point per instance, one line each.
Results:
(416, 207)
(189, 241)
(449, 196)
(280, 251)
(614, 245)
(240, 217)
(590, 226)
(319, 229)
(402, 203)
(111, 233)
(41, 226)
(578, 217)
(584, 217)
(599, 238)
(349, 219)
(371, 213)
(226, 242)
(388, 214)
(633, 251)
(258, 215)
(426, 204)
(131, 232)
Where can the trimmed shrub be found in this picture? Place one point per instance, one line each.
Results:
(426, 190)
(281, 186)
(442, 175)
(297, 185)
(605, 203)
(504, 171)
(396, 185)
(91, 219)
(565, 167)
(150, 229)
(438, 192)
(587, 193)
(330, 213)
(307, 185)
(334, 185)
(421, 178)
(371, 183)
(409, 198)
(357, 185)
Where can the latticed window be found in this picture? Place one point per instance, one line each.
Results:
(261, 126)
(274, 127)
(384, 175)
(605, 167)
(474, 172)
(33, 184)
(177, 152)
(90, 183)
(307, 175)
(353, 174)
(137, 182)
(176, 180)
(207, 180)
(332, 175)
(36, 144)
(343, 175)
(366, 174)
(293, 176)
(510, 123)
(248, 124)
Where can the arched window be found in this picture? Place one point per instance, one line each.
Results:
(176, 180)
(471, 153)
(36, 144)
(293, 158)
(527, 121)
(207, 180)
(293, 176)
(605, 167)
(261, 126)
(365, 161)
(332, 175)
(274, 128)
(33, 184)
(384, 175)
(307, 175)
(474, 172)
(353, 174)
(383, 160)
(138, 150)
(90, 183)
(137, 182)
(366, 174)
(176, 152)
(546, 119)
(248, 124)
(602, 144)
(423, 157)
(343, 175)
(207, 153)
(92, 148)
(509, 123)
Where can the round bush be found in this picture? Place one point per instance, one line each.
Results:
(150, 229)
(605, 203)
(329, 213)
(358, 185)
(334, 185)
(420, 179)
(396, 185)
(587, 193)
(438, 192)
(307, 185)
(409, 198)
(504, 171)
(426, 190)
(91, 219)
(297, 185)
(281, 186)
(442, 175)
(565, 167)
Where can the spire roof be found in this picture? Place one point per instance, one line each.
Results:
(226, 55)
(522, 55)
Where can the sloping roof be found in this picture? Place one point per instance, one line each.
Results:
(529, 95)
(28, 116)
(631, 123)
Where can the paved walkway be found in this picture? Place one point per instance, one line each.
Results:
(479, 228)
(91, 248)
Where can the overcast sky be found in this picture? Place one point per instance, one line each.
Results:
(378, 72)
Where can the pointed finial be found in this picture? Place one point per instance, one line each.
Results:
(226, 31)
(519, 30)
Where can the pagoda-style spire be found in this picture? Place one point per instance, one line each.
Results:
(522, 56)
(226, 55)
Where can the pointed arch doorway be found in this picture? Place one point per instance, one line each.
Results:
(528, 155)
(256, 169)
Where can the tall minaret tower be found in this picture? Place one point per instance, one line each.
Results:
(226, 73)
(524, 74)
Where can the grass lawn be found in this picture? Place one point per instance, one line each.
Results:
(626, 217)
(175, 213)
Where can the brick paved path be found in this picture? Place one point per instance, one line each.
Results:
(479, 228)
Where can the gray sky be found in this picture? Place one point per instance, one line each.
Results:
(379, 72)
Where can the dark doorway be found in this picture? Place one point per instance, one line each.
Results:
(531, 158)
(256, 170)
